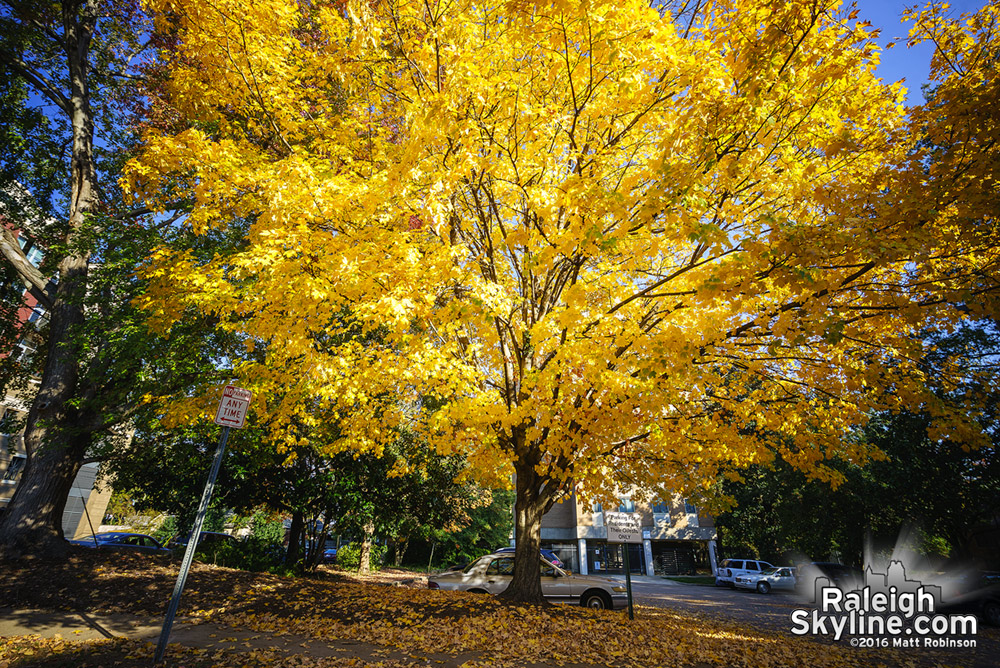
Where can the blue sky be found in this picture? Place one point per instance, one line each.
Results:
(900, 62)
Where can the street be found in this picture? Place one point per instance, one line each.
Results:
(771, 611)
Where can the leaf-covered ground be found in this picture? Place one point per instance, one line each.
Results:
(423, 627)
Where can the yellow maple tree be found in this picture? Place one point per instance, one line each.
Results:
(618, 245)
(953, 179)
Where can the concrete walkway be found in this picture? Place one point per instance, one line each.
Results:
(648, 580)
(77, 625)
(72, 626)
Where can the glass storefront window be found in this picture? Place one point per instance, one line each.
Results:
(567, 553)
(610, 558)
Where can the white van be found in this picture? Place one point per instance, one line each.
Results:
(730, 568)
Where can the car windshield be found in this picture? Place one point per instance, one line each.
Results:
(110, 538)
(770, 571)
(474, 564)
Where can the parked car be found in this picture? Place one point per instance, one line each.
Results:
(130, 542)
(547, 554)
(492, 574)
(977, 592)
(781, 577)
(843, 577)
(729, 569)
(329, 555)
(207, 540)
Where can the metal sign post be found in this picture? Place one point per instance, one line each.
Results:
(625, 528)
(628, 582)
(231, 413)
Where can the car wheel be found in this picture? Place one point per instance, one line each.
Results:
(478, 591)
(763, 588)
(596, 600)
(991, 613)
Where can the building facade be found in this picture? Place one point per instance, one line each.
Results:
(677, 538)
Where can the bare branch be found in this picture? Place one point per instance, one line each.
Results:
(37, 282)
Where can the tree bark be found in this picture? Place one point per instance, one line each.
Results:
(534, 498)
(399, 549)
(55, 445)
(34, 515)
(295, 537)
(365, 559)
(319, 546)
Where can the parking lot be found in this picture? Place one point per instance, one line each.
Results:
(771, 610)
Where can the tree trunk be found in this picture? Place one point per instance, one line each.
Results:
(54, 443)
(319, 547)
(534, 498)
(295, 537)
(32, 523)
(365, 560)
(399, 549)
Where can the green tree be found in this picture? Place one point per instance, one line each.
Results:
(396, 494)
(489, 527)
(407, 492)
(940, 486)
(29, 173)
(98, 362)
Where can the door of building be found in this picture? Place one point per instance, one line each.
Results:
(609, 559)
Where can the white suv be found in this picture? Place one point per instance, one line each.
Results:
(730, 568)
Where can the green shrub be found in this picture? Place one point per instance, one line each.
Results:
(224, 554)
(266, 530)
(260, 551)
(349, 556)
(167, 530)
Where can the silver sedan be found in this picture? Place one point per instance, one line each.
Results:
(492, 574)
(782, 577)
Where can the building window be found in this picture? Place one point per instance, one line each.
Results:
(661, 515)
(14, 469)
(9, 423)
(24, 350)
(597, 511)
(567, 553)
(610, 558)
(626, 506)
(692, 513)
(33, 255)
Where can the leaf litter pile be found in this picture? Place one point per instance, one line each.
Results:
(406, 626)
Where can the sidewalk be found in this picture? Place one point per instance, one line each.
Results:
(74, 626)
(77, 625)
(648, 579)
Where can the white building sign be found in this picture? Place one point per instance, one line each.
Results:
(623, 527)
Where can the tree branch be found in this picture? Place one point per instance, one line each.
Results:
(38, 82)
(37, 282)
